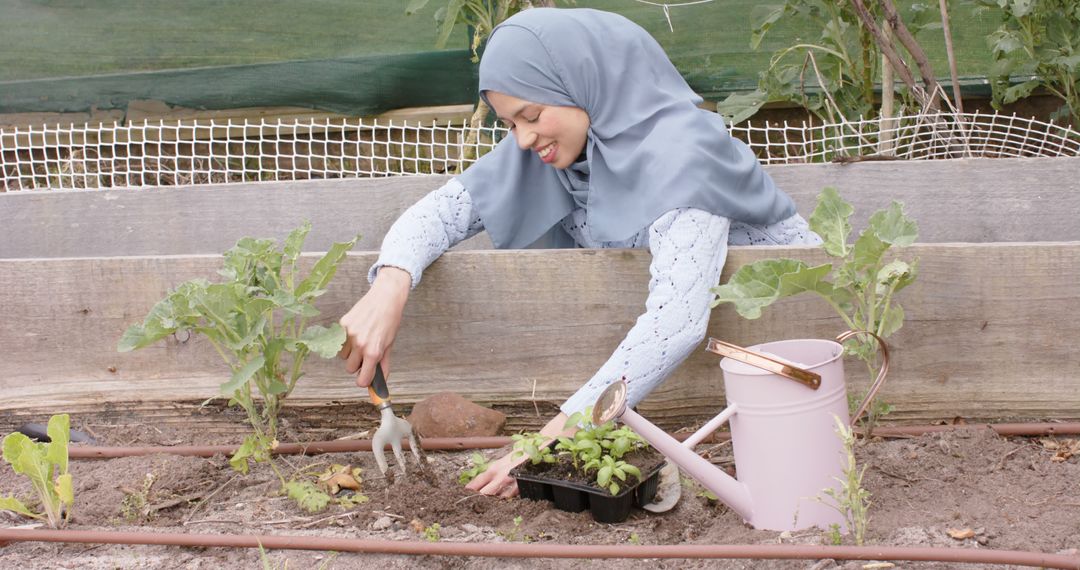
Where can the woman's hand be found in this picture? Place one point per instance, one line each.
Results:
(496, 480)
(372, 324)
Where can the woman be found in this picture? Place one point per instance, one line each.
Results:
(608, 148)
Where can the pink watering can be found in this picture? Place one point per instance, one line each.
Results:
(782, 398)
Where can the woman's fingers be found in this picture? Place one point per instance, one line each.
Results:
(367, 372)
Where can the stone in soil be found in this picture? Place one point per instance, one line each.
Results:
(449, 415)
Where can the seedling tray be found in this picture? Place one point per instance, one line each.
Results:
(575, 497)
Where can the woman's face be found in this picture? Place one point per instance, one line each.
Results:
(556, 134)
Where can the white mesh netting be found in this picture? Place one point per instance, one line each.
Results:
(167, 154)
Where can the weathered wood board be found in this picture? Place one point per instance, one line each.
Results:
(977, 201)
(990, 334)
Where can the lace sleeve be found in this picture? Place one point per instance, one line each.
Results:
(688, 248)
(427, 229)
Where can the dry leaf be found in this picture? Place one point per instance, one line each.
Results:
(417, 525)
(339, 477)
(961, 534)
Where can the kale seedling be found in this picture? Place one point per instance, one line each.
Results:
(46, 465)
(257, 320)
(863, 285)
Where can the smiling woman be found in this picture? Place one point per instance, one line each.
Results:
(556, 133)
(608, 149)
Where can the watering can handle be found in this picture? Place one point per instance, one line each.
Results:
(881, 373)
(747, 356)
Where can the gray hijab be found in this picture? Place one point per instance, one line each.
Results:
(650, 149)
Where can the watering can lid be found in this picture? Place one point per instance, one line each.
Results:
(767, 363)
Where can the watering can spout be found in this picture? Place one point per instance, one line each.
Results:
(612, 405)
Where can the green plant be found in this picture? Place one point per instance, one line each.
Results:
(533, 446)
(833, 75)
(136, 503)
(308, 496)
(431, 533)
(608, 469)
(834, 537)
(46, 466)
(863, 285)
(479, 465)
(1039, 38)
(257, 321)
(851, 499)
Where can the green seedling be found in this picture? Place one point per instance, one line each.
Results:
(863, 284)
(432, 533)
(307, 495)
(608, 469)
(46, 466)
(257, 321)
(532, 446)
(834, 536)
(851, 500)
(136, 504)
(479, 465)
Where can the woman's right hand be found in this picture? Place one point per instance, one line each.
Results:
(372, 324)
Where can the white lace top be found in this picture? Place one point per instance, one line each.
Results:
(688, 249)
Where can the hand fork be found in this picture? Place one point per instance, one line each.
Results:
(391, 428)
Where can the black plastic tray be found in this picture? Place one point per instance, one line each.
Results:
(575, 497)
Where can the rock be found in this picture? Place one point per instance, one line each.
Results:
(470, 528)
(382, 523)
(449, 415)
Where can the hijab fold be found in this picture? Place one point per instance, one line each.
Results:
(650, 148)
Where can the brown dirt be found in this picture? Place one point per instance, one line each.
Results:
(1012, 493)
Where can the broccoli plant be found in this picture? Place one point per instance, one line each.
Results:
(46, 465)
(257, 320)
(863, 284)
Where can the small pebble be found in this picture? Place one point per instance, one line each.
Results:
(382, 523)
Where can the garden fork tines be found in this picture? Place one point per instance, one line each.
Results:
(391, 428)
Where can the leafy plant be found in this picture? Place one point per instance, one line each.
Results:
(608, 469)
(479, 465)
(46, 466)
(136, 503)
(834, 536)
(432, 533)
(533, 446)
(308, 496)
(863, 284)
(833, 75)
(851, 500)
(1040, 38)
(257, 320)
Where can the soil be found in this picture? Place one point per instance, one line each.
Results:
(1013, 494)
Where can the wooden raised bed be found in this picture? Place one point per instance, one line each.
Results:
(990, 332)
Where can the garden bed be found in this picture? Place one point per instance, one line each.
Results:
(1012, 494)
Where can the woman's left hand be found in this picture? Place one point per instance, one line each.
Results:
(496, 480)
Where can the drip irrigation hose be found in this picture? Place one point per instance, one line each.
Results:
(515, 550)
(464, 443)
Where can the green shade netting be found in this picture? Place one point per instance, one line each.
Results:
(356, 57)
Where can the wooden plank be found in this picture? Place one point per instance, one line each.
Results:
(978, 201)
(990, 333)
(205, 219)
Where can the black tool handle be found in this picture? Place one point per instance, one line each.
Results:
(378, 391)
